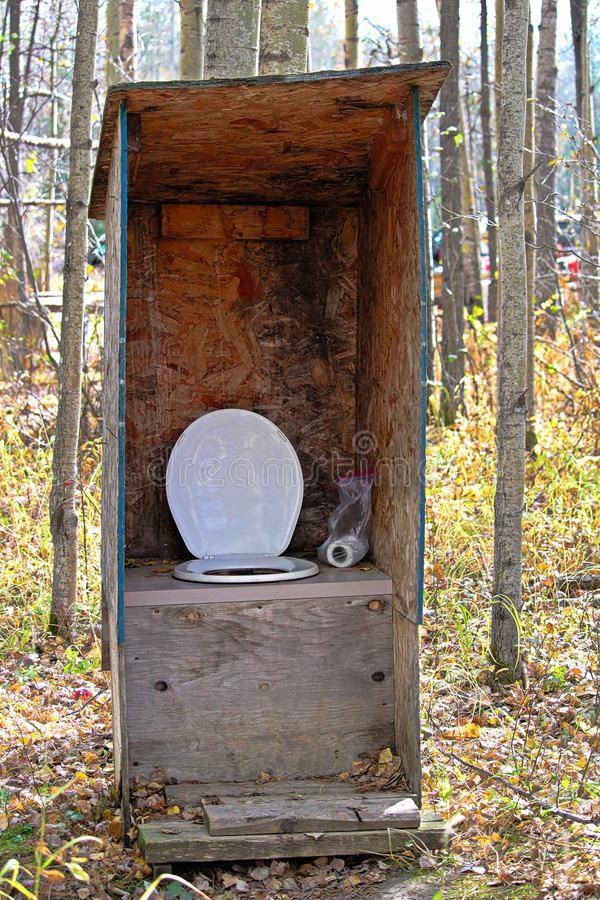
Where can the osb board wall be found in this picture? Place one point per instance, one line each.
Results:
(294, 138)
(268, 326)
(225, 691)
(110, 464)
(388, 410)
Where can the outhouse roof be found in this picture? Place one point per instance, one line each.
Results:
(291, 138)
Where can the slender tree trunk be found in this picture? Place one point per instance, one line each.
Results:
(127, 37)
(529, 214)
(546, 281)
(191, 41)
(232, 28)
(120, 35)
(409, 51)
(578, 16)
(452, 350)
(590, 271)
(471, 260)
(409, 38)
(49, 232)
(112, 41)
(499, 11)
(488, 168)
(63, 511)
(283, 36)
(351, 34)
(17, 288)
(506, 651)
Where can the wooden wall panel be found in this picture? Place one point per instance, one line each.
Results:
(388, 410)
(243, 223)
(110, 470)
(302, 138)
(268, 326)
(223, 691)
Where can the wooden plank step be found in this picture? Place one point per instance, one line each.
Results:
(268, 815)
(189, 794)
(171, 841)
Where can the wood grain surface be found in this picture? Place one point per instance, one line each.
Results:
(268, 326)
(167, 840)
(389, 410)
(110, 478)
(280, 815)
(150, 585)
(188, 794)
(283, 139)
(242, 223)
(226, 691)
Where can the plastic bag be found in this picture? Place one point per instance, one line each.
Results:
(347, 541)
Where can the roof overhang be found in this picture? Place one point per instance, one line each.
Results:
(275, 139)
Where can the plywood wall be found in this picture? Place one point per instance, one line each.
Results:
(388, 414)
(110, 473)
(262, 325)
(224, 691)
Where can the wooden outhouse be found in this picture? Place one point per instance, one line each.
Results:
(265, 251)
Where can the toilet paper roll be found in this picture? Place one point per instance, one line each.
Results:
(345, 553)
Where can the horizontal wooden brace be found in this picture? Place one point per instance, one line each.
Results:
(229, 222)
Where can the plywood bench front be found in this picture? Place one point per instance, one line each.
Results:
(221, 688)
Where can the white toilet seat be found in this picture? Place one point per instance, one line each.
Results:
(235, 487)
(222, 570)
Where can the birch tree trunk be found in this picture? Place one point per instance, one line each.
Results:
(468, 208)
(589, 270)
(351, 34)
(53, 155)
(63, 512)
(17, 288)
(452, 350)
(25, 328)
(283, 36)
(488, 169)
(578, 10)
(191, 40)
(410, 51)
(120, 36)
(499, 11)
(546, 281)
(232, 28)
(409, 38)
(506, 650)
(529, 214)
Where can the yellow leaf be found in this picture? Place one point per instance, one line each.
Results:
(80, 776)
(386, 756)
(77, 872)
(54, 875)
(90, 758)
(173, 810)
(466, 732)
(115, 828)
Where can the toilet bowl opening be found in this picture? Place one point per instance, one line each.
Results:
(241, 571)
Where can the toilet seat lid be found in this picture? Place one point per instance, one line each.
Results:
(234, 485)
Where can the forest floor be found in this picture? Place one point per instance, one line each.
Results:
(491, 759)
